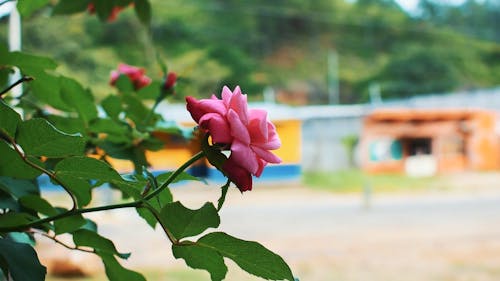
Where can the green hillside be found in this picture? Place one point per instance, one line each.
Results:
(285, 45)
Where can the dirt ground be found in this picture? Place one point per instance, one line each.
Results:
(448, 232)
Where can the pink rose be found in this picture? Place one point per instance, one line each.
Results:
(135, 74)
(248, 133)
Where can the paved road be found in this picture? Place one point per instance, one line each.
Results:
(436, 235)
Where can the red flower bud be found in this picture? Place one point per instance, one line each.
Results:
(170, 81)
(91, 8)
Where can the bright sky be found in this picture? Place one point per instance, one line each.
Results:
(411, 5)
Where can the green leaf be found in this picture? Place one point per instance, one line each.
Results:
(87, 238)
(146, 215)
(157, 202)
(151, 91)
(80, 99)
(103, 8)
(12, 220)
(222, 197)
(129, 188)
(65, 7)
(4, 76)
(86, 168)
(116, 272)
(69, 224)
(27, 7)
(18, 188)
(81, 188)
(123, 84)
(152, 144)
(47, 89)
(44, 85)
(250, 256)
(184, 222)
(200, 257)
(38, 204)
(135, 109)
(143, 11)
(162, 199)
(22, 237)
(29, 64)
(75, 170)
(161, 178)
(9, 119)
(123, 3)
(163, 66)
(21, 261)
(7, 202)
(68, 125)
(12, 165)
(214, 156)
(90, 225)
(112, 105)
(110, 127)
(170, 127)
(117, 150)
(38, 137)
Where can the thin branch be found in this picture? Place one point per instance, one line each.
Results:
(45, 171)
(155, 213)
(54, 238)
(23, 79)
(175, 174)
(153, 109)
(70, 213)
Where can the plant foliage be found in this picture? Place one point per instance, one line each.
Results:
(57, 129)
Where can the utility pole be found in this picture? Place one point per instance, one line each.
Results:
(333, 77)
(15, 45)
(374, 91)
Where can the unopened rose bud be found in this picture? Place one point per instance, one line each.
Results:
(170, 81)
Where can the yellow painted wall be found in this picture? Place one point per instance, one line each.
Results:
(290, 132)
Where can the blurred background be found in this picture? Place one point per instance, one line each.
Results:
(388, 113)
(310, 52)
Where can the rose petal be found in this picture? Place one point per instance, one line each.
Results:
(236, 101)
(142, 82)
(114, 76)
(261, 164)
(273, 140)
(244, 156)
(257, 125)
(197, 108)
(265, 155)
(226, 95)
(217, 126)
(238, 175)
(238, 129)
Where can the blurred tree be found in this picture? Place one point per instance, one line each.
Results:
(283, 43)
(417, 72)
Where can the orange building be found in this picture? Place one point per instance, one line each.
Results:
(424, 142)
